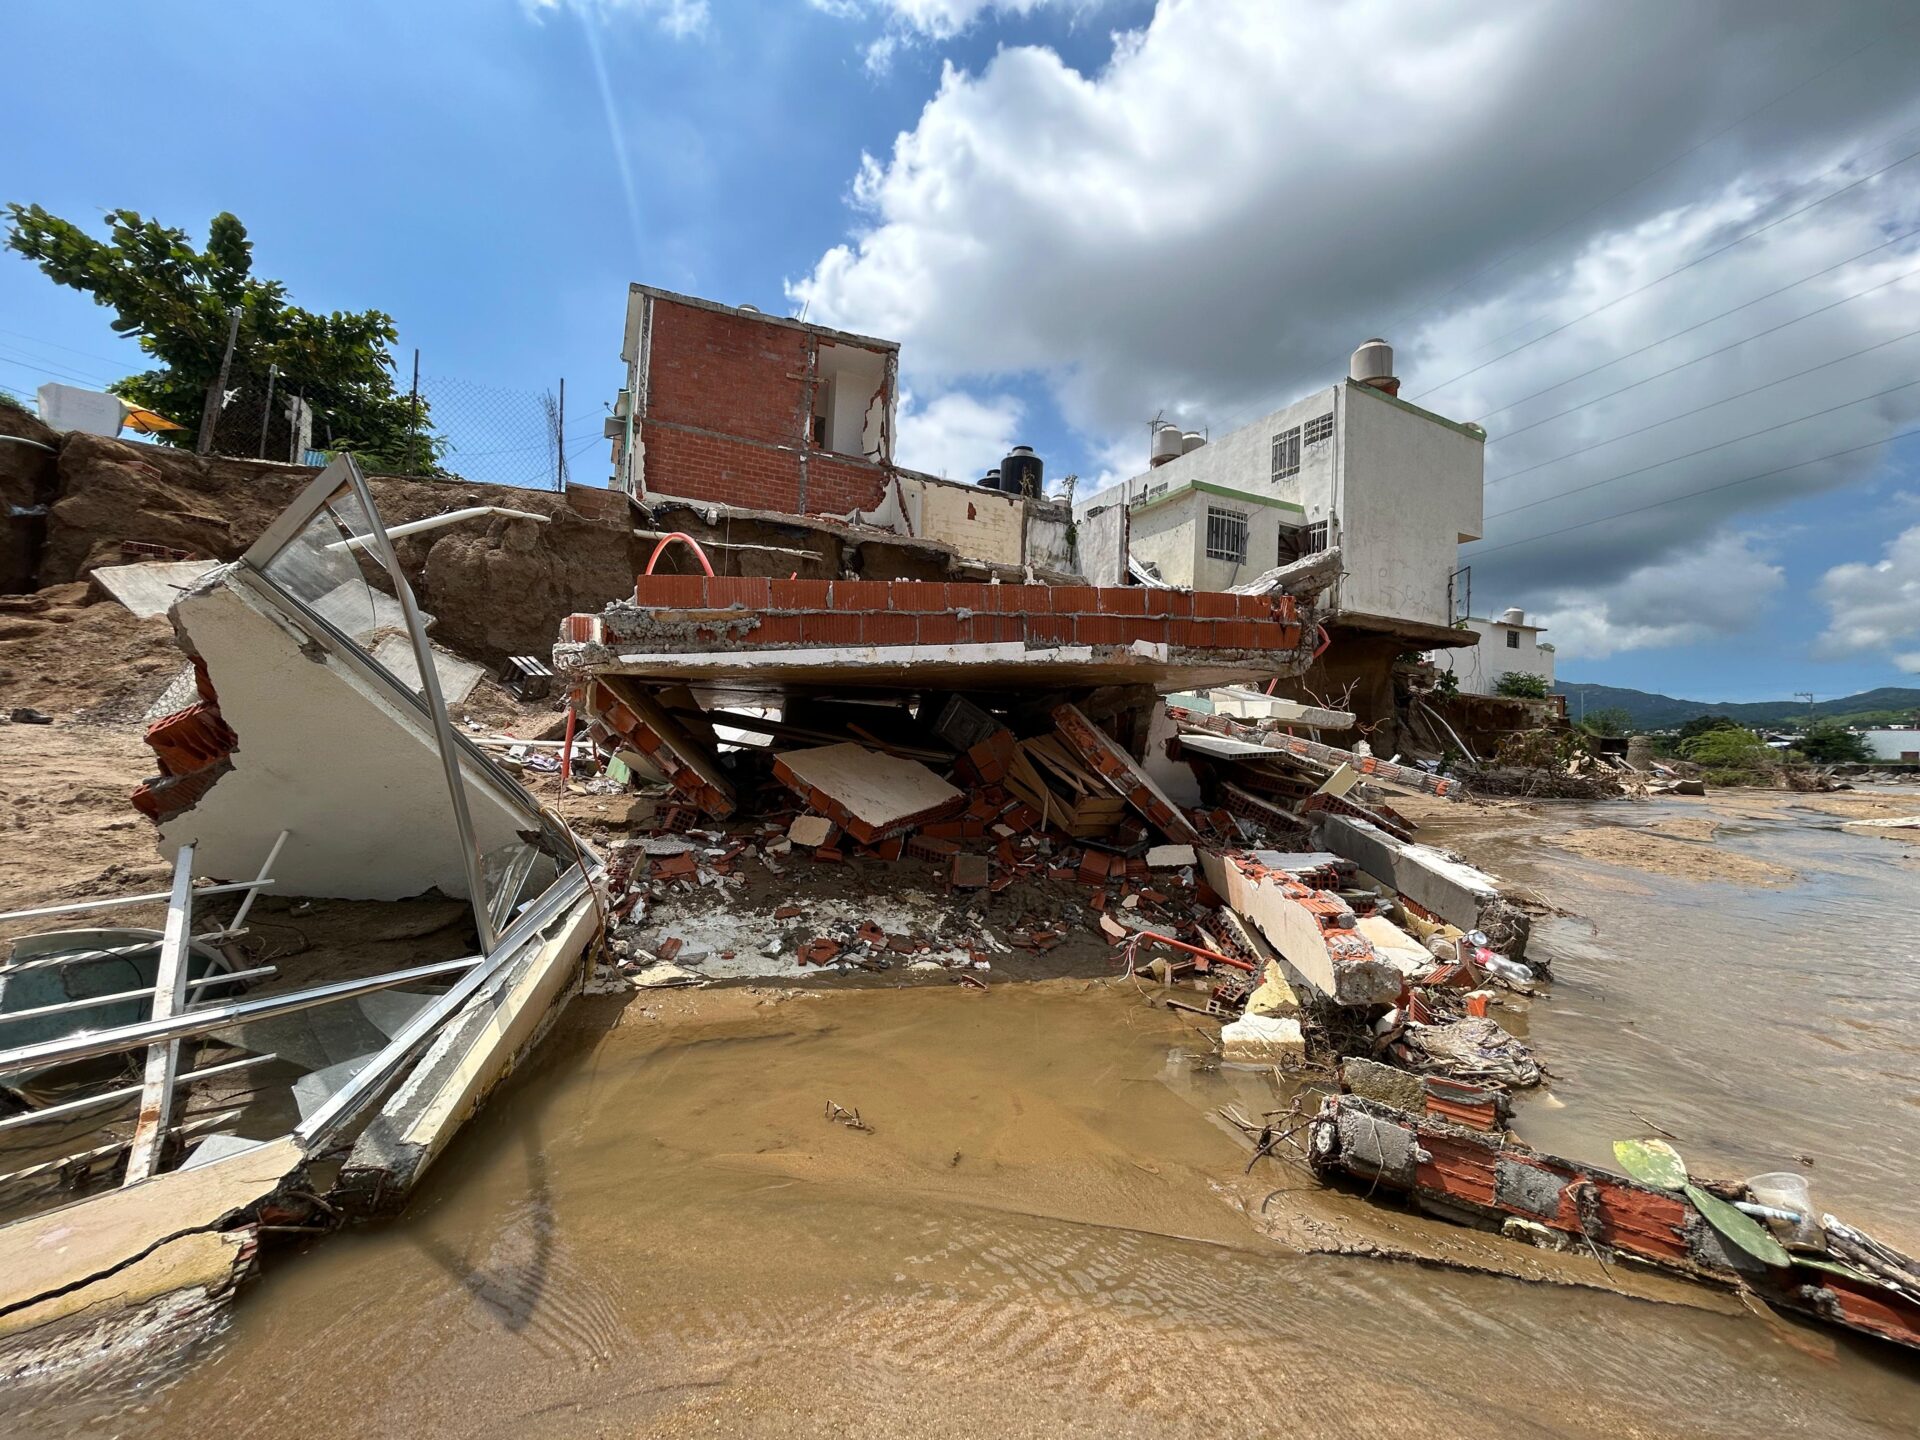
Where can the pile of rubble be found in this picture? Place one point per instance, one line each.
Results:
(1213, 844)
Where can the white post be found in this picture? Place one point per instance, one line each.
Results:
(169, 999)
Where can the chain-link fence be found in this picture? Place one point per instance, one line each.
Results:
(447, 426)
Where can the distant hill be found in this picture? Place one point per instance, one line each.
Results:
(1663, 712)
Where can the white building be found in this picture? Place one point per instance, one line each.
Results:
(1893, 744)
(1397, 488)
(1506, 644)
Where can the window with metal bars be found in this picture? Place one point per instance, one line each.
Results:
(1286, 453)
(1318, 429)
(1316, 537)
(1226, 535)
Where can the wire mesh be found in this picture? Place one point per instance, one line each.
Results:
(456, 428)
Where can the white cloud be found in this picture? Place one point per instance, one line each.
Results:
(1874, 607)
(1720, 589)
(1207, 225)
(957, 435)
(679, 18)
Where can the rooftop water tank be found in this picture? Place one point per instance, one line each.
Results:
(1513, 615)
(1191, 441)
(991, 480)
(1022, 471)
(1372, 364)
(1168, 444)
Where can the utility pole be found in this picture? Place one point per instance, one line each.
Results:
(217, 394)
(266, 410)
(1806, 695)
(413, 398)
(560, 440)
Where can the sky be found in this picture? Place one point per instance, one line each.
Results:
(1668, 256)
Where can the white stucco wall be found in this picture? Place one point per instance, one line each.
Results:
(1402, 488)
(1163, 538)
(352, 774)
(1411, 493)
(1479, 667)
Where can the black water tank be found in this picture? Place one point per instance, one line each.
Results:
(990, 480)
(1022, 471)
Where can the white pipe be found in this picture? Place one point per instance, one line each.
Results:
(78, 906)
(266, 869)
(434, 522)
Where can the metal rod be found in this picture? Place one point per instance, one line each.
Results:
(434, 522)
(169, 999)
(266, 410)
(436, 708)
(100, 1152)
(92, 1001)
(205, 1021)
(266, 868)
(125, 1092)
(158, 895)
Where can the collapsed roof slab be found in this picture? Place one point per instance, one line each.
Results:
(738, 638)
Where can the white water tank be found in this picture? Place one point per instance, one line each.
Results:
(1372, 364)
(1167, 445)
(1513, 615)
(1191, 441)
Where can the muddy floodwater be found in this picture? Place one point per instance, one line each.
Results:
(656, 1229)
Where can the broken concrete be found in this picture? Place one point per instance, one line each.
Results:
(1437, 882)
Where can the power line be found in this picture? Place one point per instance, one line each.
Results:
(1690, 494)
(1737, 395)
(1635, 185)
(1703, 450)
(43, 369)
(55, 345)
(1653, 344)
(1697, 260)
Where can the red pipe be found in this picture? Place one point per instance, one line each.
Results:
(1325, 639)
(1195, 949)
(665, 540)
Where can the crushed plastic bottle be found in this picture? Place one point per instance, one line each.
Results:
(1511, 971)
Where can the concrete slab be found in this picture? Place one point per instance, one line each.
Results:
(457, 676)
(866, 793)
(1438, 883)
(150, 589)
(1263, 1040)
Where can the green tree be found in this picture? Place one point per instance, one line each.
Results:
(1828, 743)
(1731, 756)
(1519, 685)
(1613, 720)
(1701, 724)
(175, 301)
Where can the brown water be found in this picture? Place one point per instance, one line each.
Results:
(657, 1232)
(1760, 1025)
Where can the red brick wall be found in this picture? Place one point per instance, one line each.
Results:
(725, 397)
(729, 373)
(754, 476)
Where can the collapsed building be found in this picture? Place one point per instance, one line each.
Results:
(872, 721)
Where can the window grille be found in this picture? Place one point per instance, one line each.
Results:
(1318, 429)
(1226, 535)
(1286, 453)
(1513, 639)
(1316, 537)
